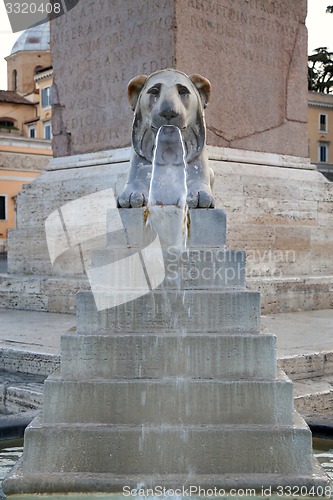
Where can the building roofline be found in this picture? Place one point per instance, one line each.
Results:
(12, 97)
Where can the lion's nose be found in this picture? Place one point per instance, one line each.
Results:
(168, 113)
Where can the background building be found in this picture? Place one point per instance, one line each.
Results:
(25, 120)
(320, 126)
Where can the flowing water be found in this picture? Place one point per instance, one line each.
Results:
(10, 452)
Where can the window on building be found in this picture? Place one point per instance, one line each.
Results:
(3, 208)
(32, 132)
(47, 130)
(323, 122)
(6, 123)
(46, 97)
(14, 80)
(323, 152)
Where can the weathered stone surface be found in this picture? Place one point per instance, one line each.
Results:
(158, 356)
(23, 362)
(144, 449)
(209, 268)
(24, 397)
(314, 396)
(99, 47)
(306, 366)
(177, 401)
(185, 311)
(304, 293)
(41, 293)
(263, 45)
(14, 161)
(108, 482)
(207, 228)
(39, 199)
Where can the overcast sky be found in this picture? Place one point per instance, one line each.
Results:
(320, 27)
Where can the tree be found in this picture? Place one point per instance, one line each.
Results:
(320, 68)
(320, 71)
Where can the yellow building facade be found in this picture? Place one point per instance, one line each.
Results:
(320, 127)
(25, 120)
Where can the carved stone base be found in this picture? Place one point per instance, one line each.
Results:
(278, 212)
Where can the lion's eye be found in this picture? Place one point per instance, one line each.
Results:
(183, 91)
(154, 91)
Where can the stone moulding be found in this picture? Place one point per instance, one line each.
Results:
(214, 153)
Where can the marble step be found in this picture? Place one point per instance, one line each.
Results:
(163, 449)
(156, 356)
(184, 485)
(42, 293)
(20, 392)
(23, 397)
(314, 396)
(161, 311)
(196, 268)
(169, 401)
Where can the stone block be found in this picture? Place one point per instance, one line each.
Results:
(178, 401)
(86, 357)
(24, 301)
(303, 366)
(209, 268)
(41, 293)
(32, 363)
(145, 449)
(303, 293)
(24, 397)
(183, 312)
(83, 482)
(207, 228)
(22, 244)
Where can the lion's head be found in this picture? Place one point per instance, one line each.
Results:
(168, 97)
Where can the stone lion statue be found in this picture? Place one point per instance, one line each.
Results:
(169, 97)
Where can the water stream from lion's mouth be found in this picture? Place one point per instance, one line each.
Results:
(167, 208)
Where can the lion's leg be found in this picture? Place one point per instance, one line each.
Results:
(199, 184)
(135, 194)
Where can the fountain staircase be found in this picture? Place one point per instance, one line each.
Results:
(175, 388)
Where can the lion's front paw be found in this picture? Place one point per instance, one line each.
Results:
(201, 199)
(132, 200)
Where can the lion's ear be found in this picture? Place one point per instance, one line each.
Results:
(203, 87)
(134, 88)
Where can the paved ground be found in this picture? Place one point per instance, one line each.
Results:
(33, 331)
(301, 332)
(297, 333)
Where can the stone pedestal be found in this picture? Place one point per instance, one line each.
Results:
(177, 387)
(278, 212)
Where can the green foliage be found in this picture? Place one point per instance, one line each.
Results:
(320, 71)
(8, 127)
